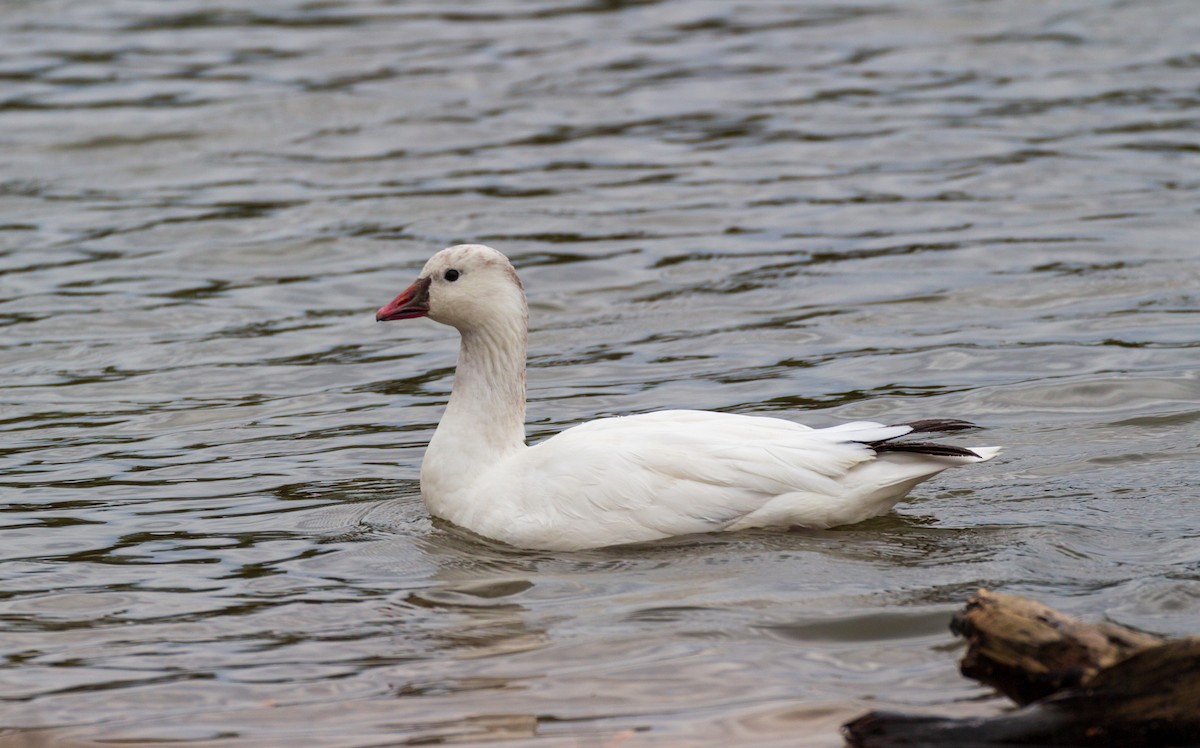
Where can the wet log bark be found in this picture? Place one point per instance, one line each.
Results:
(1084, 684)
(1027, 650)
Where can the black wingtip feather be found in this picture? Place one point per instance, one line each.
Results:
(938, 425)
(922, 448)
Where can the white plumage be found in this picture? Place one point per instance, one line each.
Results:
(633, 478)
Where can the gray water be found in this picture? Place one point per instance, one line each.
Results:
(212, 531)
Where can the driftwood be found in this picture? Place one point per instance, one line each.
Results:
(1028, 651)
(1081, 684)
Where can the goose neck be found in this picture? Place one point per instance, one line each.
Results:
(487, 403)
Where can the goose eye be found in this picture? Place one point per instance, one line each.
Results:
(451, 275)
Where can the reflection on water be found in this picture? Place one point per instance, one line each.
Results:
(212, 527)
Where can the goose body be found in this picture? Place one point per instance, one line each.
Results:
(632, 478)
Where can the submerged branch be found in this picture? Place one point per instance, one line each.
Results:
(1081, 684)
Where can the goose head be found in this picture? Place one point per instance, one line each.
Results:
(467, 286)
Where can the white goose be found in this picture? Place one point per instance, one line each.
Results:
(633, 478)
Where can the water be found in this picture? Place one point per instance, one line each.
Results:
(212, 530)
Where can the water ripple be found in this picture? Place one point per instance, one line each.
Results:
(209, 456)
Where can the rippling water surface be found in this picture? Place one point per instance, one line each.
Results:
(212, 531)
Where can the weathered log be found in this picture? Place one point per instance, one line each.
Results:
(1027, 650)
(1119, 687)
